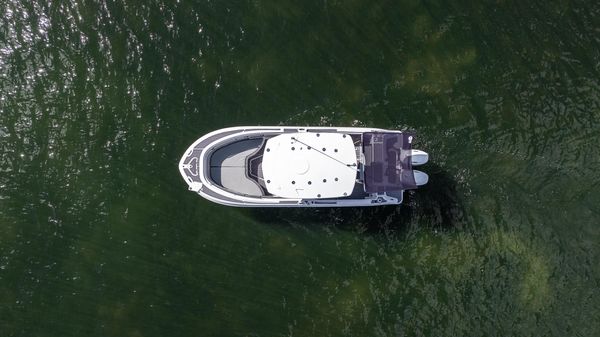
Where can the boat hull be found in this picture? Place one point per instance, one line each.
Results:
(194, 167)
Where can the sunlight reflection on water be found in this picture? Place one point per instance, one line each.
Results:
(99, 99)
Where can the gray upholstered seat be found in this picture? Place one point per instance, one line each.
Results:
(235, 154)
(235, 179)
(228, 167)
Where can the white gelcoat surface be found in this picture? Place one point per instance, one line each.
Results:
(292, 170)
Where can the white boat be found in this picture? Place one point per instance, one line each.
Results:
(283, 166)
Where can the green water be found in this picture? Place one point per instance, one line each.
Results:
(100, 237)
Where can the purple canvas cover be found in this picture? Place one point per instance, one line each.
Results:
(387, 162)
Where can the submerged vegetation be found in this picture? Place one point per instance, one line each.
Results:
(98, 235)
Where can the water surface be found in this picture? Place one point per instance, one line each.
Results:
(100, 237)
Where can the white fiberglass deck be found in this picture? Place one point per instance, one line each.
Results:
(310, 165)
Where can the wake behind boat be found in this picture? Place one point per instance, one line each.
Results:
(261, 166)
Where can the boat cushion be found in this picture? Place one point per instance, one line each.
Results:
(235, 179)
(235, 154)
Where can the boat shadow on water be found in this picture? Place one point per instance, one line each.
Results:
(436, 205)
